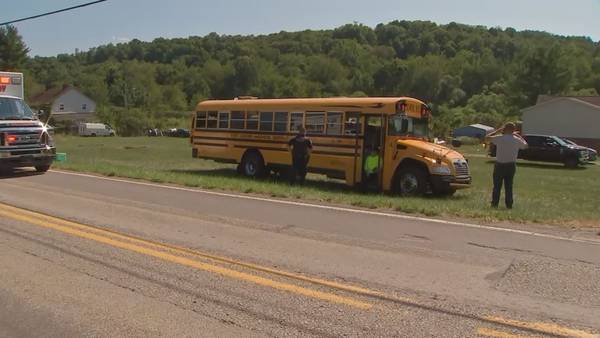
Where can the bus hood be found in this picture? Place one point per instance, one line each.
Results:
(432, 150)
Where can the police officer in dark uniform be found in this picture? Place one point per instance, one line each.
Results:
(300, 146)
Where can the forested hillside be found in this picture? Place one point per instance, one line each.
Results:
(467, 73)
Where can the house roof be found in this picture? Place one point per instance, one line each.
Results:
(48, 96)
(482, 126)
(593, 100)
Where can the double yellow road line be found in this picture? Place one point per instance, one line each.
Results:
(186, 257)
(219, 265)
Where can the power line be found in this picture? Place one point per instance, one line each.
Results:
(53, 12)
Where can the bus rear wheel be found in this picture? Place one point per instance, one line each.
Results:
(252, 165)
(411, 181)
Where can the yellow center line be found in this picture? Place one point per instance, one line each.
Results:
(486, 332)
(330, 297)
(181, 250)
(548, 328)
(146, 247)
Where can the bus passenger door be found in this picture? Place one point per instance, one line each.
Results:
(373, 150)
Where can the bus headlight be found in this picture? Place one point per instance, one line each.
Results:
(441, 170)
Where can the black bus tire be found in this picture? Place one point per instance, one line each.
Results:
(411, 181)
(252, 164)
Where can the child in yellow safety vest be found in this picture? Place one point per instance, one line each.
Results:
(372, 163)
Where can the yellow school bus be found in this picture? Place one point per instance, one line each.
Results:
(254, 133)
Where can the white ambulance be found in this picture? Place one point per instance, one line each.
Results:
(25, 141)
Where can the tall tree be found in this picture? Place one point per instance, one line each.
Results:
(13, 51)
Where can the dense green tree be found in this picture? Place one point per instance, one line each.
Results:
(466, 73)
(544, 70)
(13, 51)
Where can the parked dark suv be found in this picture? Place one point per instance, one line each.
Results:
(547, 148)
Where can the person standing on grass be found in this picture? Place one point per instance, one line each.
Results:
(300, 147)
(507, 149)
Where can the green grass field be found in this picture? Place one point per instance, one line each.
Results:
(544, 193)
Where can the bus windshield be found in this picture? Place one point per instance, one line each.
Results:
(402, 125)
(14, 109)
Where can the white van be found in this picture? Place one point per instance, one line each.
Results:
(95, 129)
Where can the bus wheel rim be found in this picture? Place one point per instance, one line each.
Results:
(409, 183)
(250, 168)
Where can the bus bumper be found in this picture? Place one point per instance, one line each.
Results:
(32, 158)
(441, 181)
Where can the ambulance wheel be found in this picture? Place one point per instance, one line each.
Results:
(42, 168)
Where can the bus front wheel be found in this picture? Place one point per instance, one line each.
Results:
(252, 165)
(411, 181)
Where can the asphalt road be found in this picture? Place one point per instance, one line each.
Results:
(104, 257)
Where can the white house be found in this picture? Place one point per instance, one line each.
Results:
(66, 103)
(573, 117)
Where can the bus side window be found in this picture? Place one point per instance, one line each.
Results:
(352, 123)
(266, 121)
(334, 123)
(211, 122)
(296, 121)
(251, 120)
(281, 120)
(223, 120)
(200, 119)
(315, 123)
(237, 120)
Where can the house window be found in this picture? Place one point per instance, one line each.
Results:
(84, 107)
(61, 107)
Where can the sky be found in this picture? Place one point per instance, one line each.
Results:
(117, 21)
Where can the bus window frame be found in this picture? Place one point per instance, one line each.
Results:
(358, 125)
(237, 120)
(215, 114)
(248, 120)
(341, 123)
(260, 121)
(285, 123)
(203, 125)
(226, 120)
(302, 121)
(324, 124)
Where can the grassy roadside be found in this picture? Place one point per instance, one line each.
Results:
(545, 193)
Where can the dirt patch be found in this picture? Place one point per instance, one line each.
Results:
(566, 282)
